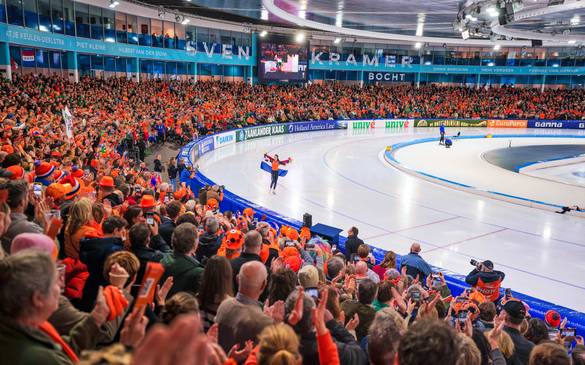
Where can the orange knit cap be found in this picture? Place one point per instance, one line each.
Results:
(249, 212)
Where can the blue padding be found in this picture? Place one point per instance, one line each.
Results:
(455, 282)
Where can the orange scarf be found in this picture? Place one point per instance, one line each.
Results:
(50, 331)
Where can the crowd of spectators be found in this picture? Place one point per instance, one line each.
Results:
(85, 227)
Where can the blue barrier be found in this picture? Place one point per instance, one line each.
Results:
(455, 281)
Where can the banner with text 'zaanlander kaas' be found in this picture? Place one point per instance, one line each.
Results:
(559, 124)
(262, 131)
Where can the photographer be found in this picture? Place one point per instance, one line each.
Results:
(486, 280)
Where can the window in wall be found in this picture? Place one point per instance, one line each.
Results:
(110, 64)
(55, 59)
(2, 12)
(179, 36)
(144, 38)
(108, 19)
(44, 8)
(42, 58)
(132, 28)
(31, 16)
(121, 30)
(68, 17)
(214, 36)
(202, 34)
(95, 21)
(169, 34)
(82, 20)
(57, 16)
(14, 9)
(156, 29)
(190, 33)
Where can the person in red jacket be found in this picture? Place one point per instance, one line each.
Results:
(275, 164)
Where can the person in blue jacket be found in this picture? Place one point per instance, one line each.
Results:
(415, 264)
(442, 132)
(186, 174)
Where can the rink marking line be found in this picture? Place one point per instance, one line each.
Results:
(467, 240)
(413, 227)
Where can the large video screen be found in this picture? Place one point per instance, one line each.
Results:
(280, 61)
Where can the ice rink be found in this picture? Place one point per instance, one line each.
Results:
(342, 179)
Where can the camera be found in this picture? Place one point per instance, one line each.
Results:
(478, 265)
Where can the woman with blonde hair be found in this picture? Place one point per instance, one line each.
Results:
(80, 225)
(279, 345)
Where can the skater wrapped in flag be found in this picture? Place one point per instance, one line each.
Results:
(272, 165)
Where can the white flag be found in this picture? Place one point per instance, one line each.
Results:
(68, 119)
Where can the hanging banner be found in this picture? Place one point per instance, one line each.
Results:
(68, 119)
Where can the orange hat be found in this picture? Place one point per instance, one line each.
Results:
(8, 148)
(147, 201)
(212, 203)
(43, 169)
(58, 175)
(107, 182)
(292, 234)
(305, 233)
(249, 212)
(234, 239)
(179, 194)
(56, 154)
(292, 258)
(56, 191)
(75, 186)
(76, 172)
(477, 297)
(283, 231)
(95, 164)
(17, 172)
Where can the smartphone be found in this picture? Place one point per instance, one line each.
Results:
(436, 280)
(462, 316)
(460, 300)
(313, 292)
(167, 199)
(149, 218)
(415, 296)
(508, 293)
(568, 332)
(552, 334)
(38, 190)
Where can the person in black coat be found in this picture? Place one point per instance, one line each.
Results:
(147, 246)
(182, 266)
(93, 252)
(250, 252)
(348, 349)
(167, 226)
(210, 240)
(352, 243)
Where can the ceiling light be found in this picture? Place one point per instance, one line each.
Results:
(572, 41)
(492, 11)
(575, 20)
(471, 18)
(185, 21)
(263, 33)
(339, 19)
(418, 45)
(497, 47)
(113, 4)
(300, 37)
(337, 40)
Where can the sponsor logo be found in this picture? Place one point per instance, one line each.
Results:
(268, 130)
(205, 146)
(224, 139)
(312, 126)
(506, 123)
(548, 124)
(386, 76)
(397, 124)
(381, 123)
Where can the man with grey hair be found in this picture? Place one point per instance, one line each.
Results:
(182, 266)
(415, 264)
(17, 200)
(250, 252)
(241, 318)
(210, 240)
(384, 336)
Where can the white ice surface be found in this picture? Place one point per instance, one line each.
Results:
(341, 181)
(572, 174)
(463, 163)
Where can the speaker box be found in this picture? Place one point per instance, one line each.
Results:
(307, 220)
(329, 233)
(536, 43)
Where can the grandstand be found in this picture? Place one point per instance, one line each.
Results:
(268, 182)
